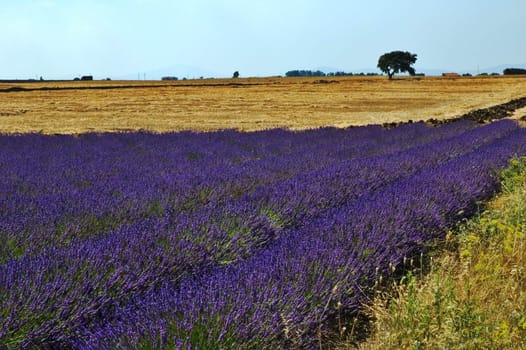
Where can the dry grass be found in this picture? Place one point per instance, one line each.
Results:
(246, 104)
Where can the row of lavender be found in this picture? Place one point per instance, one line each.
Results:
(222, 239)
(59, 190)
(286, 295)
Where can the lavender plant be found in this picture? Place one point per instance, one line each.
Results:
(225, 239)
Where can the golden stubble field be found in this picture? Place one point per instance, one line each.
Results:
(244, 104)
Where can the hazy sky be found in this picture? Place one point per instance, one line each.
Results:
(65, 38)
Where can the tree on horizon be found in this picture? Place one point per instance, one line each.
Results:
(396, 62)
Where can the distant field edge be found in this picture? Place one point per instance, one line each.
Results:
(118, 87)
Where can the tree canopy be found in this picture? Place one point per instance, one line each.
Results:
(305, 73)
(513, 71)
(396, 62)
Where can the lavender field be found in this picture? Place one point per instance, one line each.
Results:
(225, 240)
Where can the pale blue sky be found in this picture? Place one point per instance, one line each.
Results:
(65, 38)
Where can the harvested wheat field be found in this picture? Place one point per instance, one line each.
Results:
(244, 104)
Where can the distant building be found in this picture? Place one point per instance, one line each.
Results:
(169, 78)
(451, 75)
(87, 77)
